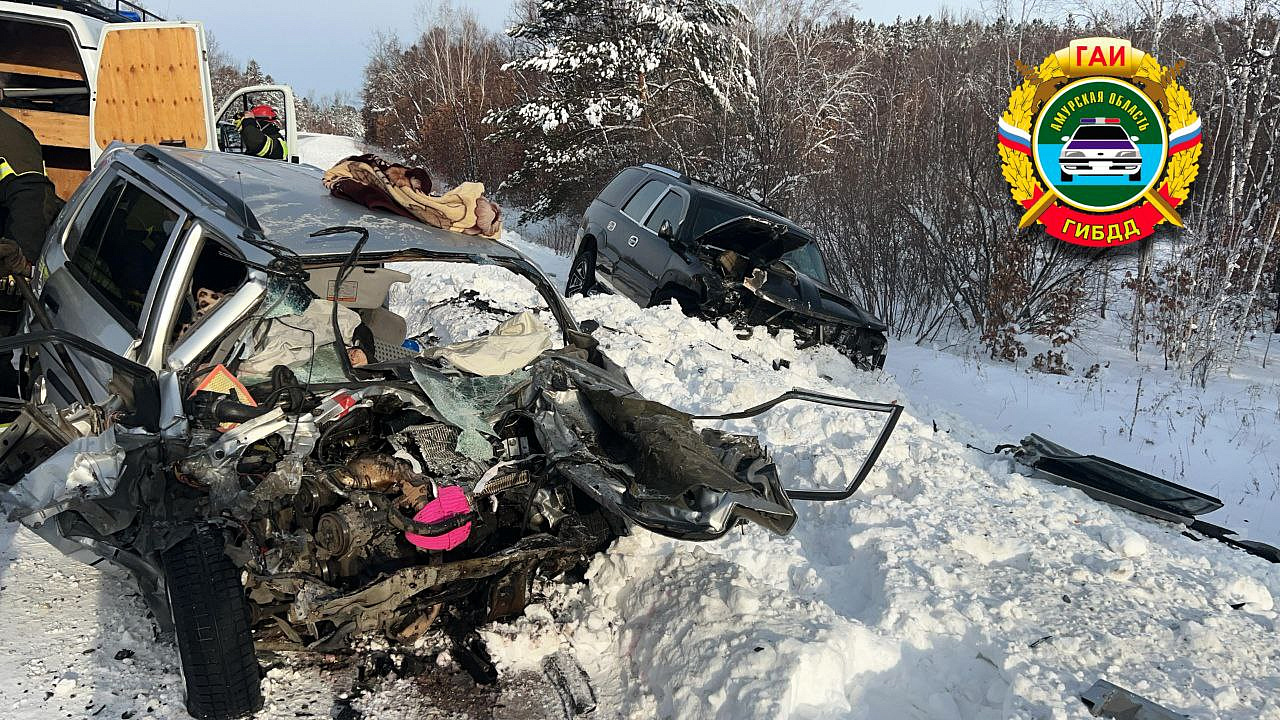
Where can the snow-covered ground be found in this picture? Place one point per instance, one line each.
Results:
(949, 587)
(324, 151)
(1223, 439)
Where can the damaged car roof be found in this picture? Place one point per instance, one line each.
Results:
(288, 201)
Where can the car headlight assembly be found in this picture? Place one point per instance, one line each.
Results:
(1073, 154)
(1128, 154)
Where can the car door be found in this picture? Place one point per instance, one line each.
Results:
(52, 460)
(625, 239)
(100, 282)
(279, 97)
(653, 255)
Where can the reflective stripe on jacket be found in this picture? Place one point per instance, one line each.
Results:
(6, 170)
(266, 149)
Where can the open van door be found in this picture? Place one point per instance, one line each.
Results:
(279, 97)
(153, 86)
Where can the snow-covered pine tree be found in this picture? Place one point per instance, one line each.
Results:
(253, 74)
(610, 82)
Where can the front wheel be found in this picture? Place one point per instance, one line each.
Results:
(211, 622)
(582, 274)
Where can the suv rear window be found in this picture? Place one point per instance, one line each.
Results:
(616, 191)
(120, 251)
(640, 203)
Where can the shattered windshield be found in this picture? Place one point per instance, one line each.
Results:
(808, 260)
(484, 320)
(454, 302)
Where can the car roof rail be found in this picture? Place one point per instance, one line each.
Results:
(685, 178)
(236, 208)
(666, 171)
(123, 10)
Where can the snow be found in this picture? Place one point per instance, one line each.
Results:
(324, 151)
(1221, 440)
(949, 587)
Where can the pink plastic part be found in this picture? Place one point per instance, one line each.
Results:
(450, 502)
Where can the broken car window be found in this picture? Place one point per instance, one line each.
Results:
(808, 261)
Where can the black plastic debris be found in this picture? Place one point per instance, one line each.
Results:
(571, 683)
(1112, 701)
(1113, 483)
(1120, 485)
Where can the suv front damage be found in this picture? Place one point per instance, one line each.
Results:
(753, 281)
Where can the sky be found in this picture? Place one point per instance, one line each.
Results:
(319, 46)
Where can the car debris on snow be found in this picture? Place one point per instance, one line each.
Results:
(1111, 701)
(1120, 485)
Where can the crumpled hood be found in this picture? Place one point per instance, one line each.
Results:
(802, 294)
(754, 238)
(646, 461)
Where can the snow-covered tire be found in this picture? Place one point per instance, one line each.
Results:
(582, 274)
(211, 622)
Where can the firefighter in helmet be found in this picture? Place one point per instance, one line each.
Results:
(260, 130)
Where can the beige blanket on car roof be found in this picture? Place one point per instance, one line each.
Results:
(373, 182)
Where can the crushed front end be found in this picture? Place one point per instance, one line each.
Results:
(772, 294)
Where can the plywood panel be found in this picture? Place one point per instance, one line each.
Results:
(23, 69)
(65, 181)
(149, 88)
(54, 128)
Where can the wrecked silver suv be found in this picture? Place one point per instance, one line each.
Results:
(224, 403)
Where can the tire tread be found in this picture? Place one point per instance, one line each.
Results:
(211, 621)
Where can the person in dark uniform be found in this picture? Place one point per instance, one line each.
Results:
(28, 204)
(260, 131)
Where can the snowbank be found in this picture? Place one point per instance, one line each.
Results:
(949, 587)
(324, 151)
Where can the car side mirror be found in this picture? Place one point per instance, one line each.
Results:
(589, 326)
(1066, 138)
(666, 232)
(1133, 138)
(229, 139)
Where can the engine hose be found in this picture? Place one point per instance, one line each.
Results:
(408, 525)
(230, 411)
(294, 398)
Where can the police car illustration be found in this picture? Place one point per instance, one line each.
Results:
(1100, 146)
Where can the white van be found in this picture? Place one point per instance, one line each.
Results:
(82, 75)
